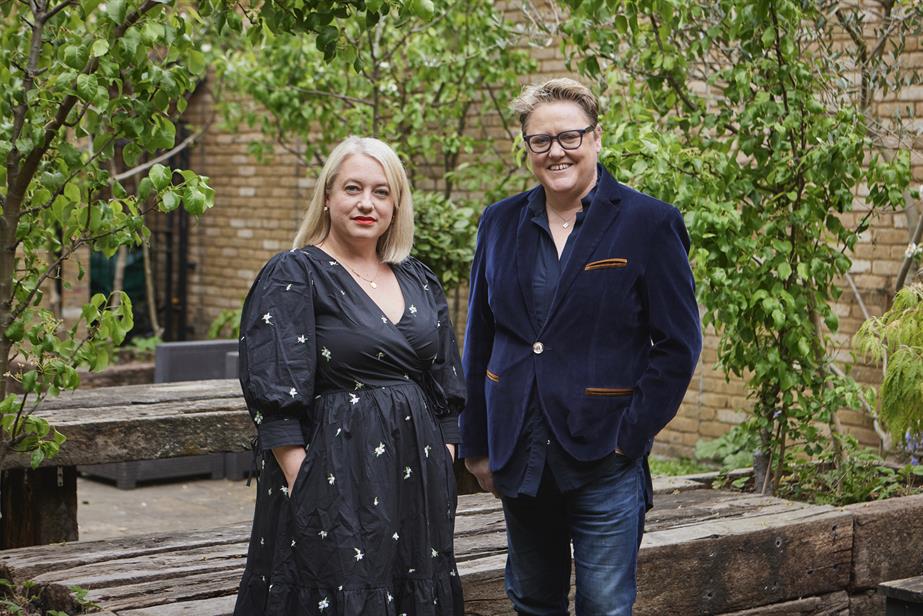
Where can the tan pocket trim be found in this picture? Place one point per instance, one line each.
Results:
(608, 391)
(493, 377)
(615, 262)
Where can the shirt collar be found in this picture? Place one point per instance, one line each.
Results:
(536, 202)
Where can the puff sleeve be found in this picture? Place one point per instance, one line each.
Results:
(446, 371)
(277, 356)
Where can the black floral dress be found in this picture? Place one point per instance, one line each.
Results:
(369, 526)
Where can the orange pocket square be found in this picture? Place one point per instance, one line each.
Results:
(604, 263)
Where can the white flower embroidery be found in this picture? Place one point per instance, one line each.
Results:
(333, 263)
(302, 339)
(438, 324)
(326, 353)
(359, 555)
(267, 318)
(284, 490)
(390, 598)
(407, 472)
(258, 418)
(339, 432)
(359, 385)
(381, 355)
(293, 543)
(340, 587)
(452, 573)
(395, 536)
(378, 451)
(411, 570)
(322, 534)
(331, 479)
(288, 286)
(407, 418)
(262, 541)
(426, 450)
(384, 319)
(454, 371)
(435, 552)
(292, 392)
(353, 398)
(375, 502)
(323, 604)
(426, 287)
(269, 492)
(413, 309)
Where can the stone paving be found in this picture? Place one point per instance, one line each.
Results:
(104, 511)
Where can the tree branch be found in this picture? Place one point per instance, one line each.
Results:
(185, 143)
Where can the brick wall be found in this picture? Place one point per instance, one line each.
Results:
(258, 208)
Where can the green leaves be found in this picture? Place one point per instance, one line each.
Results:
(159, 176)
(762, 169)
(100, 48)
(109, 80)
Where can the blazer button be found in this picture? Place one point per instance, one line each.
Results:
(538, 348)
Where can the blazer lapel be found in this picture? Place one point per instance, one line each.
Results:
(603, 212)
(526, 254)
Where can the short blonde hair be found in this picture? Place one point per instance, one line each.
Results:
(395, 244)
(555, 90)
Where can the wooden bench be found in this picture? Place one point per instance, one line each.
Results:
(115, 424)
(903, 597)
(704, 552)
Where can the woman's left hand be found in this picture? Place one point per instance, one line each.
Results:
(451, 448)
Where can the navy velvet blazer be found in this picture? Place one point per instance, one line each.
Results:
(621, 340)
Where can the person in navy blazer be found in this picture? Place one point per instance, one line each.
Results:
(583, 334)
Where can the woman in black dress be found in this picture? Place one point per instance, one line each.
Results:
(350, 369)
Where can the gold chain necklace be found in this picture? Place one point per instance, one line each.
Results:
(371, 281)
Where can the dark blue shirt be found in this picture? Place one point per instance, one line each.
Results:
(537, 446)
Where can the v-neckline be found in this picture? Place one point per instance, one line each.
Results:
(365, 294)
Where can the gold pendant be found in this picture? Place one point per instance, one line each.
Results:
(373, 285)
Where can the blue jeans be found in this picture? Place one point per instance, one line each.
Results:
(605, 521)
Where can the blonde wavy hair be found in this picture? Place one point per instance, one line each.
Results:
(395, 244)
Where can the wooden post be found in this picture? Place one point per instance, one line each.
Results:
(38, 506)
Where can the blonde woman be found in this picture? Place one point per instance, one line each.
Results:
(351, 373)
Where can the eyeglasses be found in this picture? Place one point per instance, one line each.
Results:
(568, 140)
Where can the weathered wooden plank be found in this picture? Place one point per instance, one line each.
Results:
(25, 563)
(143, 422)
(896, 523)
(40, 506)
(144, 394)
(734, 564)
(833, 604)
(218, 606)
(735, 551)
(867, 603)
(909, 590)
(165, 590)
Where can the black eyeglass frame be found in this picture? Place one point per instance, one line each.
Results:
(580, 131)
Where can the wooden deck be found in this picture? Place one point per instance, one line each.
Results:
(704, 552)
